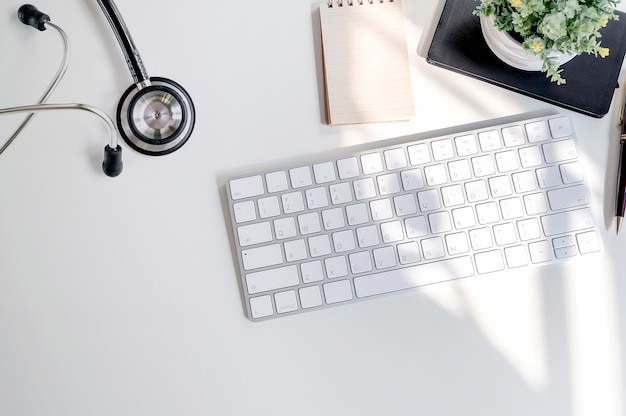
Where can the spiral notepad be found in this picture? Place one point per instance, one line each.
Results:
(366, 63)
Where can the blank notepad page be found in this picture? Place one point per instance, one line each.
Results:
(366, 63)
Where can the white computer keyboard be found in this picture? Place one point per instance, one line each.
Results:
(369, 223)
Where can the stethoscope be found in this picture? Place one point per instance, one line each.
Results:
(155, 115)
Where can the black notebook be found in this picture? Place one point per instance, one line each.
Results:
(458, 45)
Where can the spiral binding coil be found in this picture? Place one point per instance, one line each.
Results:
(341, 3)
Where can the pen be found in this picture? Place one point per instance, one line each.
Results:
(621, 172)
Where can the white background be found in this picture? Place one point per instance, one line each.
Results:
(121, 296)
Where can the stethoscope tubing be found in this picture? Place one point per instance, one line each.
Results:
(133, 60)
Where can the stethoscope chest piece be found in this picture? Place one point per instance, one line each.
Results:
(156, 118)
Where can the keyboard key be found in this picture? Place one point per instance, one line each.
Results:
(254, 234)
(489, 261)
(413, 276)
(343, 241)
(276, 181)
(452, 195)
(269, 207)
(312, 271)
(535, 204)
(419, 154)
(549, 177)
(528, 229)
(504, 234)
(295, 250)
(442, 150)
(588, 242)
(480, 239)
(405, 205)
(319, 245)
(256, 258)
(571, 197)
(333, 219)
(395, 159)
(560, 127)
(310, 297)
(483, 166)
(537, 131)
(571, 172)
(524, 182)
(357, 214)
(388, 184)
(364, 188)
(516, 256)
(412, 179)
(433, 248)
(459, 170)
(300, 177)
(409, 252)
(507, 161)
(416, 227)
(336, 267)
(309, 223)
(337, 291)
(367, 236)
(391, 232)
(530, 157)
(381, 209)
(371, 163)
(267, 280)
(285, 228)
(384, 257)
(466, 145)
(435, 175)
(340, 193)
(559, 151)
(286, 301)
(244, 211)
(457, 243)
(513, 136)
(463, 218)
(360, 262)
(246, 187)
(428, 200)
(316, 198)
(540, 252)
(261, 306)
(292, 202)
(567, 222)
(324, 172)
(489, 140)
(476, 191)
(348, 168)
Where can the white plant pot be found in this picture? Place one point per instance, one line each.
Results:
(510, 51)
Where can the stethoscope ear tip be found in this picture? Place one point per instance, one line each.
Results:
(112, 164)
(30, 15)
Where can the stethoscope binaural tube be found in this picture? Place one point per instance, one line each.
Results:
(155, 115)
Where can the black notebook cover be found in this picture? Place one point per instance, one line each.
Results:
(458, 45)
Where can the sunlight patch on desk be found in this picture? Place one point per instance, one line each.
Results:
(595, 358)
(512, 321)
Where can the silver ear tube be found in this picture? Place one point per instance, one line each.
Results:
(35, 108)
(51, 87)
(112, 164)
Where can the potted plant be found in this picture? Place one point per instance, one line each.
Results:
(550, 31)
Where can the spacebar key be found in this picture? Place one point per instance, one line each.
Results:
(414, 276)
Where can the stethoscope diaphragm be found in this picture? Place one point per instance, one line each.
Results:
(156, 119)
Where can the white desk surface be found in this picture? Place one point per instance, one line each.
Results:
(121, 297)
